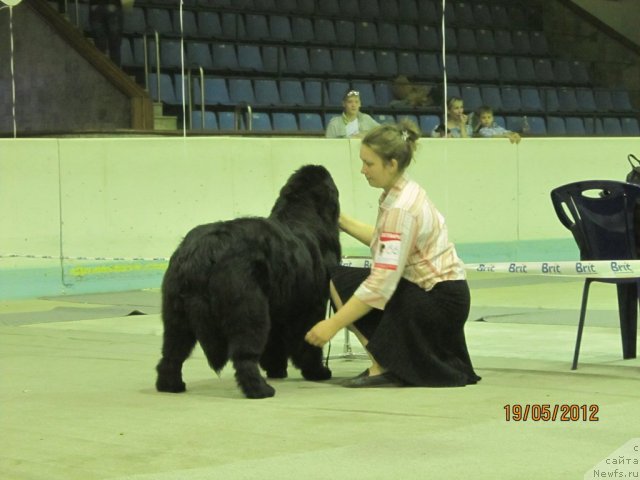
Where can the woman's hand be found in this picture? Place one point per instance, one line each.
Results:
(322, 332)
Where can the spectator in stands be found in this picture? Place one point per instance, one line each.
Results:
(409, 309)
(409, 95)
(106, 21)
(485, 126)
(457, 125)
(352, 123)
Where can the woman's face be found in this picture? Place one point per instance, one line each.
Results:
(378, 173)
(351, 105)
(456, 109)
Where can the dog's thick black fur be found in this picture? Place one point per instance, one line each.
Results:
(249, 289)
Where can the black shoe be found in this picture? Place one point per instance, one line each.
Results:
(387, 379)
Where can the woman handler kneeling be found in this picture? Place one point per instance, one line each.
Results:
(409, 309)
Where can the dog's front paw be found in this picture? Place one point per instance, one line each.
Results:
(277, 373)
(320, 373)
(165, 384)
(263, 391)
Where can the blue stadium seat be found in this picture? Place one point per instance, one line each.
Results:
(256, 27)
(389, 10)
(510, 99)
(325, 32)
(408, 64)
(485, 41)
(233, 25)
(226, 121)
(550, 98)
(291, 92)
(499, 16)
(189, 24)
(488, 68)
(451, 38)
(260, 122)
(365, 62)
(167, 93)
(428, 38)
(538, 42)
(471, 97)
(593, 125)
(621, 101)
(280, 28)
(544, 70)
(530, 99)
(370, 9)
(320, 61)
(159, 20)
(343, 62)
(466, 40)
(306, 7)
(286, 6)
(567, 99)
(499, 119)
(579, 72)
(328, 7)
(266, 92)
(388, 35)
(575, 126)
(407, 10)
(209, 25)
(630, 126)
(537, 125)
(261, 5)
(224, 57)
(562, 72)
(491, 96)
(241, 91)
(272, 59)
(199, 55)
(429, 66)
(349, 8)
(384, 118)
(210, 120)
(367, 93)
(126, 54)
(586, 100)
(464, 13)
(312, 92)
(427, 12)
(428, 123)
(556, 126)
(611, 126)
(302, 30)
(297, 60)
(215, 91)
(521, 44)
(453, 91)
(468, 67)
(503, 41)
(345, 33)
(170, 53)
(134, 21)
(526, 72)
(366, 34)
(310, 122)
(508, 69)
(482, 15)
(249, 58)
(335, 91)
(383, 93)
(407, 36)
(603, 100)
(284, 122)
(453, 68)
(387, 64)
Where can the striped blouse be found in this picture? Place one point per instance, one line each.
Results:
(410, 240)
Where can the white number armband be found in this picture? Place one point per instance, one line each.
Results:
(388, 251)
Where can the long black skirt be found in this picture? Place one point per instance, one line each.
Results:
(419, 336)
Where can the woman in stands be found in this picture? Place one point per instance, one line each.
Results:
(352, 123)
(458, 125)
(409, 309)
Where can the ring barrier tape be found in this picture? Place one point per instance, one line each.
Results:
(585, 268)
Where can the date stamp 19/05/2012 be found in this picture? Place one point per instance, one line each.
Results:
(545, 412)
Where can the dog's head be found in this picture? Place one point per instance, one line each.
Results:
(310, 187)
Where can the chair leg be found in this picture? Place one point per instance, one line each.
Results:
(583, 313)
(628, 312)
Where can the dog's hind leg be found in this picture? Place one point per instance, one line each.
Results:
(178, 343)
(247, 328)
(308, 358)
(275, 359)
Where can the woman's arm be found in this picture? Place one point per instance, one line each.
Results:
(357, 229)
(325, 330)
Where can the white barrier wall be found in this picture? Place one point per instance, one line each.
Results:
(94, 200)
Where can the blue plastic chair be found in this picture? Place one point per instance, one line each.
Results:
(366, 34)
(467, 40)
(256, 27)
(485, 41)
(365, 62)
(320, 61)
(538, 42)
(511, 99)
(291, 92)
(508, 70)
(428, 38)
(464, 13)
(209, 25)
(488, 69)
(349, 8)
(134, 21)
(215, 91)
(189, 24)
(367, 93)
(249, 58)
(525, 69)
(297, 60)
(260, 122)
(429, 66)
(407, 10)
(408, 64)
(611, 126)
(335, 91)
(224, 57)
(343, 62)
(199, 55)
(491, 96)
(544, 71)
(575, 126)
(210, 120)
(312, 92)
(530, 99)
(387, 64)
(328, 7)
(503, 41)
(167, 92)
(428, 123)
(280, 28)
(384, 118)
(325, 32)
(630, 127)
(310, 122)
(302, 30)
(482, 15)
(408, 36)
(586, 100)
(471, 97)
(159, 19)
(621, 101)
(266, 92)
(556, 126)
(521, 44)
(603, 100)
(241, 91)
(345, 33)
(388, 35)
(600, 215)
(468, 67)
(283, 121)
(567, 99)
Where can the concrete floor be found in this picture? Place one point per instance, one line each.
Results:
(77, 399)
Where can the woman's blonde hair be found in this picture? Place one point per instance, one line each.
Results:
(397, 141)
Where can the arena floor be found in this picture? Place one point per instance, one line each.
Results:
(78, 402)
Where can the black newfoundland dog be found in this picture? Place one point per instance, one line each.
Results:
(249, 289)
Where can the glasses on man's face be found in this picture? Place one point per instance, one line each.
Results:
(352, 93)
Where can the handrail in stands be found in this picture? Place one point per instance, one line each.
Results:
(157, 37)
